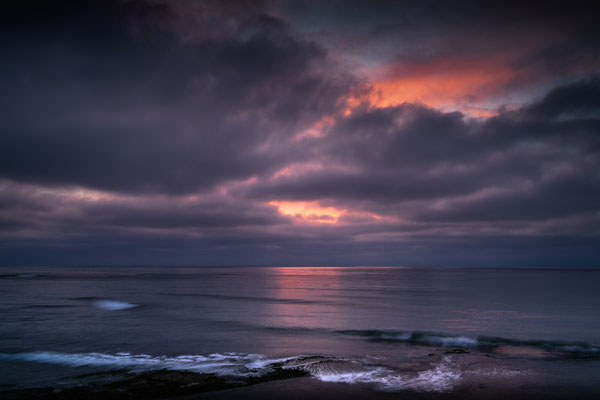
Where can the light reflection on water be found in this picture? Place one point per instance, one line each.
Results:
(270, 309)
(398, 316)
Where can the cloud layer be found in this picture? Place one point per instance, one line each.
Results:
(151, 132)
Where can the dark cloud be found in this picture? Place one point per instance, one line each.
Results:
(158, 132)
(577, 100)
(527, 164)
(523, 47)
(117, 112)
(479, 25)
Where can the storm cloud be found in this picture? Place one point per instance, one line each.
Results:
(117, 111)
(392, 133)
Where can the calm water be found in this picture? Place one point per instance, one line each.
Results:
(381, 322)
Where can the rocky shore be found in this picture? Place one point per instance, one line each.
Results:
(279, 384)
(145, 385)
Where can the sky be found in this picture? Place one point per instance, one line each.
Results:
(415, 132)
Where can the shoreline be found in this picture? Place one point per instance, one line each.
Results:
(305, 388)
(280, 384)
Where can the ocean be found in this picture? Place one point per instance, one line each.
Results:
(391, 329)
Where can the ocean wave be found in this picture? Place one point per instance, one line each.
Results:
(499, 372)
(430, 339)
(114, 305)
(436, 339)
(18, 275)
(231, 364)
(440, 377)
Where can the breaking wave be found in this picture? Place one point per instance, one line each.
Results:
(439, 377)
(226, 364)
(105, 304)
(434, 339)
(113, 305)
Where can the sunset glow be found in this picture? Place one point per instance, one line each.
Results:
(434, 91)
(308, 211)
(311, 212)
(451, 85)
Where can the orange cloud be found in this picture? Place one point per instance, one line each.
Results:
(316, 129)
(469, 86)
(308, 211)
(311, 212)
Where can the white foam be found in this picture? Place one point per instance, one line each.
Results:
(260, 362)
(327, 369)
(225, 364)
(499, 372)
(374, 375)
(438, 379)
(441, 378)
(114, 305)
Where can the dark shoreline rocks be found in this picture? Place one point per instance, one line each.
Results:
(147, 385)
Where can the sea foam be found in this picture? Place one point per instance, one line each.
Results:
(443, 340)
(113, 305)
(440, 377)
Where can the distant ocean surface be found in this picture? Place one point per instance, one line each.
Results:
(397, 328)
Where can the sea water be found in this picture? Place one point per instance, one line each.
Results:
(395, 328)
